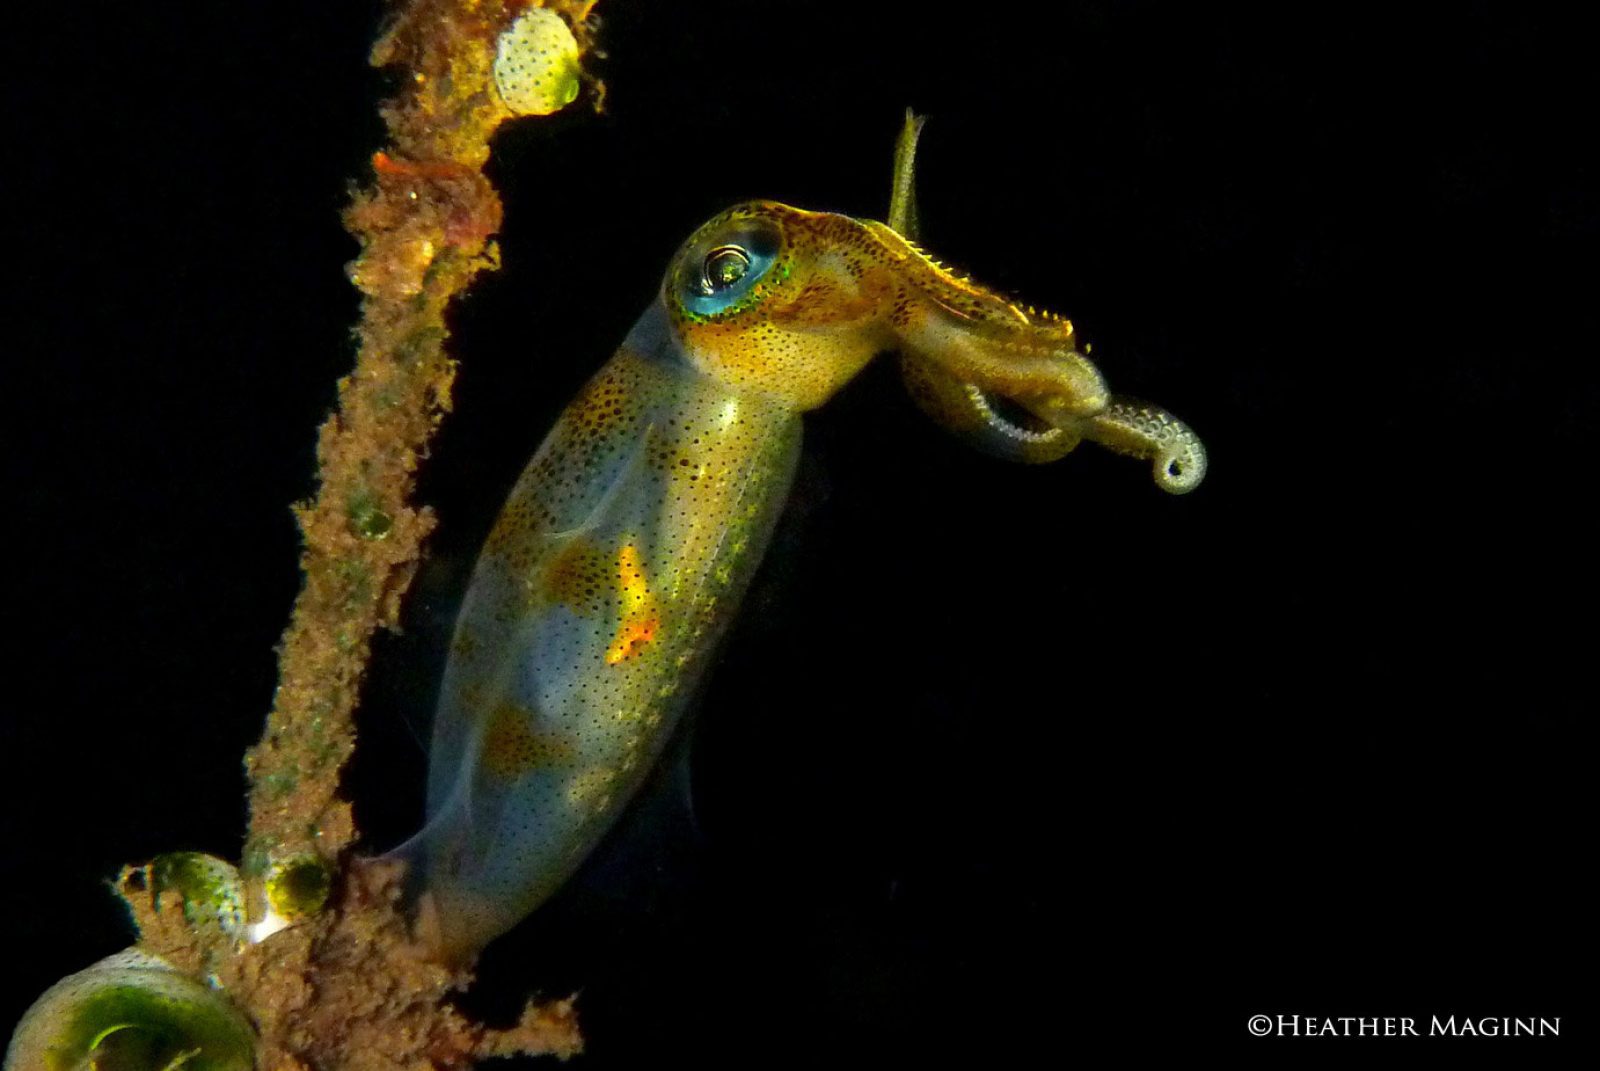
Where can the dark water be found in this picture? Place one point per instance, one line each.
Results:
(1000, 760)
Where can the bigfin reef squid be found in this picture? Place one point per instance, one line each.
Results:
(628, 541)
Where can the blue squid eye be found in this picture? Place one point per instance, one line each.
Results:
(723, 278)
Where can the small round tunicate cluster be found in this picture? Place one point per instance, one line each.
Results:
(208, 888)
(536, 64)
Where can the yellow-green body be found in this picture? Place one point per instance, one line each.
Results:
(628, 541)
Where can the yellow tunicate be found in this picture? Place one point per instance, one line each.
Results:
(536, 64)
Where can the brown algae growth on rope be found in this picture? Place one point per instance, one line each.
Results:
(313, 953)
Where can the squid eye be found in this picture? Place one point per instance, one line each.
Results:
(724, 266)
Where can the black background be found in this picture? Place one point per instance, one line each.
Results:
(999, 760)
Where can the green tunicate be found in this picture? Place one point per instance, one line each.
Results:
(374, 524)
(366, 519)
(208, 886)
(131, 1012)
(299, 888)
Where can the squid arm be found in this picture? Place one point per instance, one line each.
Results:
(987, 375)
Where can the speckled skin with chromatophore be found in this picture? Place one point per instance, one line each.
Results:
(628, 541)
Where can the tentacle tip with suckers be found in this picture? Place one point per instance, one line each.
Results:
(1180, 466)
(1177, 457)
